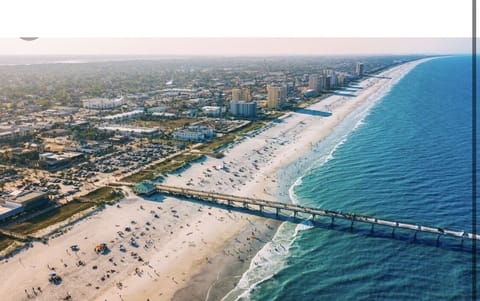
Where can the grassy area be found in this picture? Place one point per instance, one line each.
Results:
(171, 141)
(50, 218)
(165, 123)
(139, 176)
(5, 242)
(103, 195)
(164, 167)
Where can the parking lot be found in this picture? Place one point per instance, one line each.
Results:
(97, 170)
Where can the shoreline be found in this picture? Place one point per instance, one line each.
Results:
(184, 251)
(224, 291)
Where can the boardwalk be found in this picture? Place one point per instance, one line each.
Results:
(303, 212)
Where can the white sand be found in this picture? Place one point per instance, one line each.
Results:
(186, 234)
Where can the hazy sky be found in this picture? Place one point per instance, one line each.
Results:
(233, 46)
(179, 27)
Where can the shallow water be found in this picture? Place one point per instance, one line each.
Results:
(403, 155)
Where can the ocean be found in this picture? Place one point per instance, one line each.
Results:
(404, 155)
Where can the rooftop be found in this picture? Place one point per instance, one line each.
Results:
(145, 187)
(132, 129)
(34, 195)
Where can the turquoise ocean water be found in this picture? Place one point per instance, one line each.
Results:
(404, 155)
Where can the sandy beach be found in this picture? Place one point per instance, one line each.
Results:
(163, 248)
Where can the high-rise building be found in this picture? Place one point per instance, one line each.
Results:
(359, 69)
(326, 81)
(243, 109)
(333, 81)
(236, 94)
(330, 79)
(321, 83)
(246, 94)
(277, 96)
(241, 94)
(313, 82)
(341, 79)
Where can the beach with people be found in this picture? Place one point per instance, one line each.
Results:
(166, 248)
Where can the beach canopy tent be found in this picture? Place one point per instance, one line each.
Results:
(101, 248)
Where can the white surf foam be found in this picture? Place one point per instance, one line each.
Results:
(266, 263)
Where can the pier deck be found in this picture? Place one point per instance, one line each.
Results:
(259, 205)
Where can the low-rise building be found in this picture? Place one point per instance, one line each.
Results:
(9, 209)
(30, 200)
(194, 133)
(12, 132)
(93, 147)
(164, 115)
(213, 111)
(103, 103)
(145, 188)
(53, 161)
(124, 116)
(22, 202)
(136, 131)
(310, 93)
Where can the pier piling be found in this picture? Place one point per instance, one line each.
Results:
(259, 205)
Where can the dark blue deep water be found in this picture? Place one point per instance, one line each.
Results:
(406, 158)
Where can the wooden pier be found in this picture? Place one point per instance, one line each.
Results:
(302, 212)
